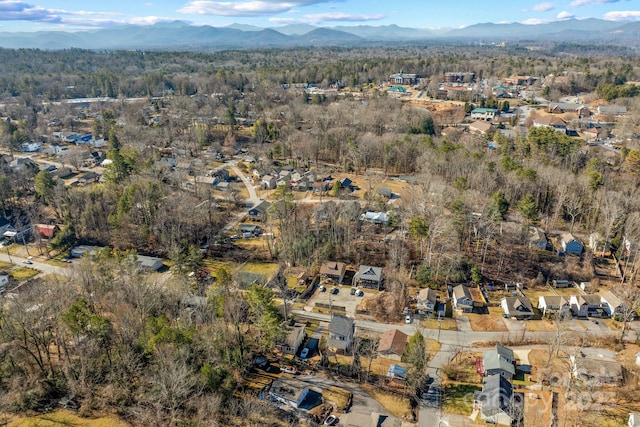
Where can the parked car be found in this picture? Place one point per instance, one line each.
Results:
(322, 288)
(26, 261)
(353, 291)
(407, 319)
(335, 291)
(359, 293)
(304, 353)
(289, 369)
(331, 420)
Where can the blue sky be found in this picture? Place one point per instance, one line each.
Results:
(30, 15)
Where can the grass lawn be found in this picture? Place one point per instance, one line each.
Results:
(458, 398)
(24, 273)
(488, 322)
(4, 266)
(268, 269)
(540, 326)
(337, 395)
(396, 405)
(446, 324)
(62, 418)
(215, 265)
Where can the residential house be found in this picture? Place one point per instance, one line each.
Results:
(497, 402)
(596, 370)
(260, 210)
(368, 277)
(480, 127)
(30, 147)
(612, 110)
(553, 305)
(499, 361)
(397, 372)
(392, 344)
(82, 250)
(459, 77)
(552, 122)
(518, 307)
(611, 304)
(346, 183)
(23, 163)
(149, 263)
(321, 186)
(586, 305)
(634, 420)
(222, 175)
(269, 182)
(537, 238)
(467, 299)
(341, 331)
(427, 302)
(458, 92)
(520, 80)
(289, 391)
(375, 217)
(571, 245)
(251, 229)
(599, 245)
(567, 107)
(5, 225)
(47, 231)
(331, 271)
(291, 343)
(4, 280)
(403, 79)
(486, 114)
(560, 283)
(384, 192)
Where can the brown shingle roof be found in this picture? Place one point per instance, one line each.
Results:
(393, 341)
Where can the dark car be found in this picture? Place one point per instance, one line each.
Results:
(335, 291)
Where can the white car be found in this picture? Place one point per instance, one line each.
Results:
(407, 319)
(304, 353)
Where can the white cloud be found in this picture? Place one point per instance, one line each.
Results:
(534, 21)
(245, 8)
(23, 11)
(565, 15)
(318, 18)
(578, 3)
(543, 7)
(622, 15)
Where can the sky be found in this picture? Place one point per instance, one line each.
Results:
(73, 15)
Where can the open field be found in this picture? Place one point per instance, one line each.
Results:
(458, 397)
(446, 324)
(62, 418)
(396, 405)
(487, 322)
(24, 273)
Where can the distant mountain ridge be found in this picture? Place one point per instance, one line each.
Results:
(179, 35)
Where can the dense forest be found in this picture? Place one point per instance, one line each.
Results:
(123, 342)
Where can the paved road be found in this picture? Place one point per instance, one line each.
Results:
(45, 268)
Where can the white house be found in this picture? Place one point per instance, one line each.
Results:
(289, 391)
(611, 304)
(427, 301)
(519, 307)
(4, 280)
(586, 305)
(462, 299)
(553, 304)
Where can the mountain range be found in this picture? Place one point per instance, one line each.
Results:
(182, 36)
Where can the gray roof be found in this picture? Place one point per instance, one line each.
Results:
(427, 294)
(611, 299)
(367, 272)
(341, 325)
(262, 207)
(518, 306)
(591, 299)
(462, 291)
(504, 352)
(496, 395)
(554, 300)
(492, 361)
